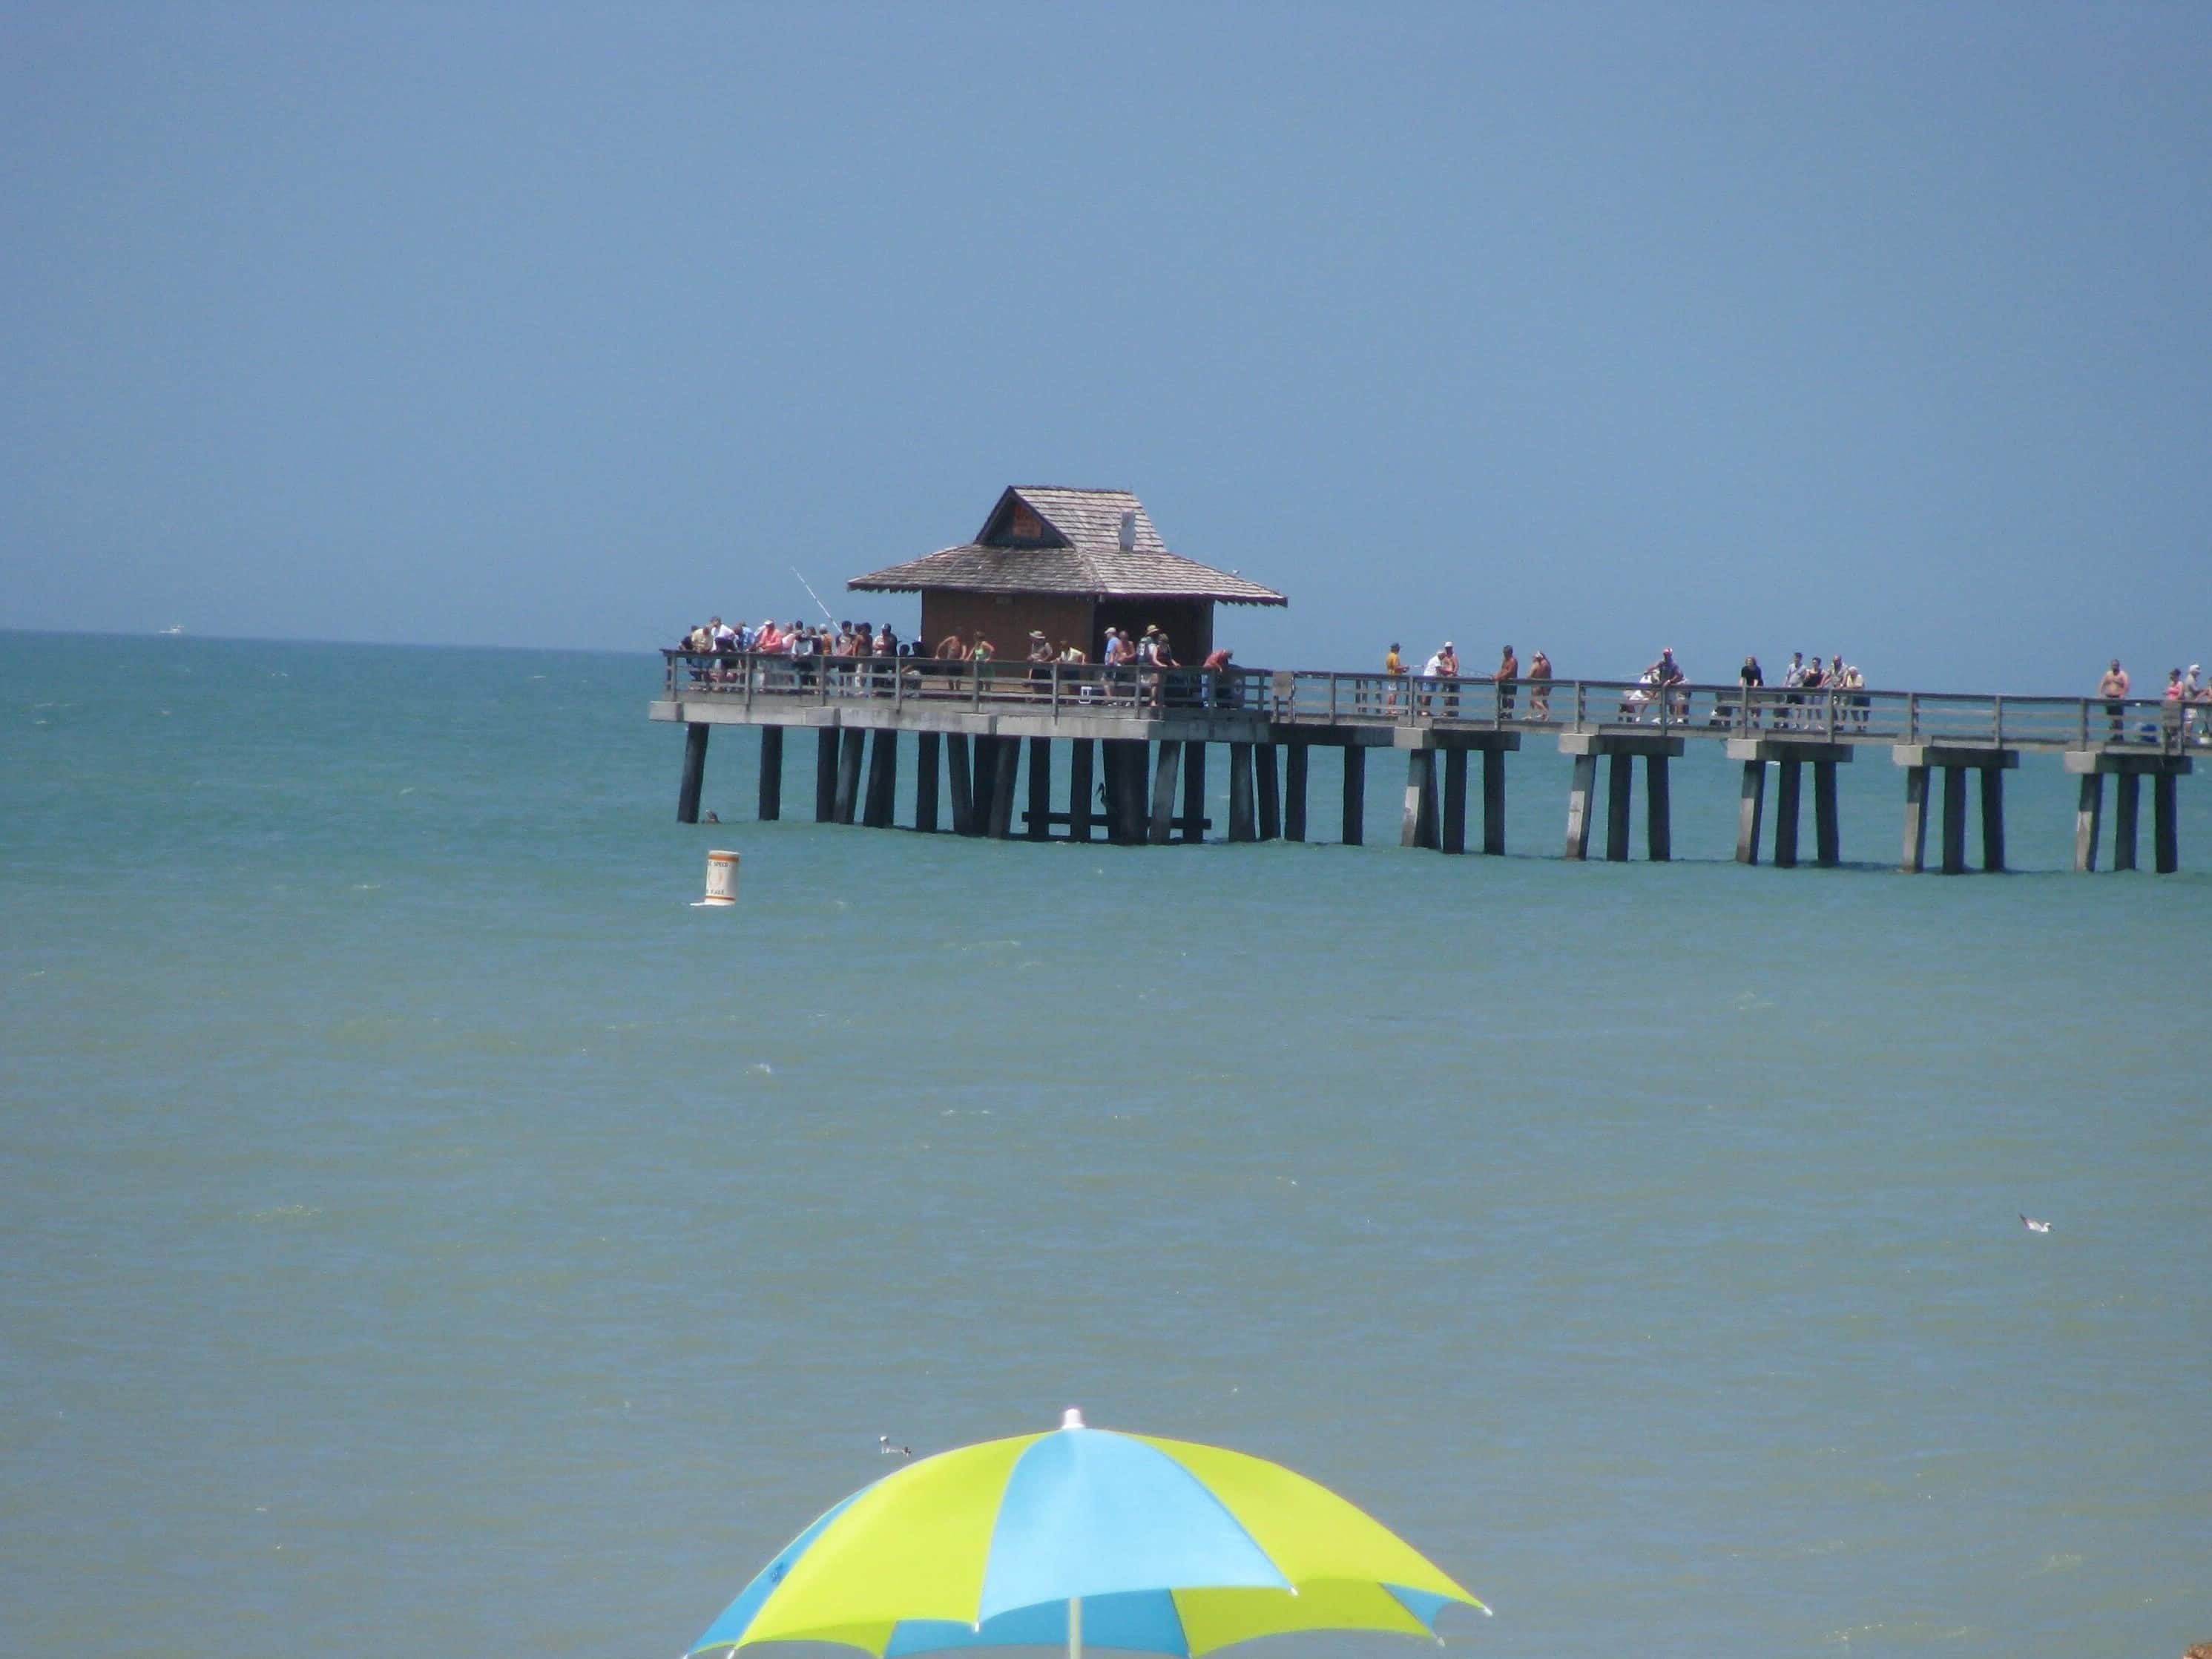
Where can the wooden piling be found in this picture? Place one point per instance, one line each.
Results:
(1493, 802)
(849, 774)
(883, 779)
(1827, 838)
(1751, 807)
(963, 793)
(1040, 822)
(1420, 797)
(771, 774)
(1294, 792)
(1271, 796)
(1954, 820)
(1658, 811)
(1455, 824)
(1579, 791)
(1916, 818)
(1164, 791)
(1355, 795)
(1079, 786)
(1242, 824)
(695, 773)
(826, 775)
(1619, 785)
(2124, 821)
(1007, 761)
(2088, 819)
(983, 774)
(1993, 826)
(2166, 825)
(1193, 791)
(925, 748)
(1785, 814)
(1134, 776)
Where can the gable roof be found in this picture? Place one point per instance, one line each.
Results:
(1077, 550)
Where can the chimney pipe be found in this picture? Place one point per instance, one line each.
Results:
(1128, 532)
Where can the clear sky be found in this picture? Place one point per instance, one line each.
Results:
(1878, 328)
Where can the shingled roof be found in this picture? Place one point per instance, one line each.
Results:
(1045, 539)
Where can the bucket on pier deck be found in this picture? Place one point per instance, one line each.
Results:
(721, 879)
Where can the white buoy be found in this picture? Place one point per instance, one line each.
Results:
(721, 880)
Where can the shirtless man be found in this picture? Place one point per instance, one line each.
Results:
(1539, 687)
(1508, 670)
(2113, 689)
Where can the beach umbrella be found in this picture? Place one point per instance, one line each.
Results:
(1124, 1541)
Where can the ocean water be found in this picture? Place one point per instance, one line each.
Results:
(424, 1233)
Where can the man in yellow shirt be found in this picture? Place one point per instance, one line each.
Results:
(1394, 667)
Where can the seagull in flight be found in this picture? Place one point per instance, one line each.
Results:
(2034, 1225)
(883, 1444)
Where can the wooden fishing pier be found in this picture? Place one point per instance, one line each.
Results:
(990, 737)
(1062, 570)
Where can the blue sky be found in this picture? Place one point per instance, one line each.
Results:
(1877, 328)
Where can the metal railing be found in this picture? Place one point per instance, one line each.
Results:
(1321, 698)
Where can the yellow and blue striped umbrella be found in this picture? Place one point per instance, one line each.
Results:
(1122, 1539)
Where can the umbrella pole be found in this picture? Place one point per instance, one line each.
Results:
(1074, 1627)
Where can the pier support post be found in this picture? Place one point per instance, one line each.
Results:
(1827, 839)
(825, 774)
(883, 779)
(694, 771)
(1240, 825)
(848, 773)
(1954, 820)
(1294, 793)
(1785, 814)
(963, 793)
(1578, 806)
(2166, 826)
(1493, 802)
(2123, 822)
(926, 747)
(1751, 807)
(1193, 791)
(1454, 828)
(1355, 795)
(984, 774)
(1415, 827)
(1040, 824)
(1006, 763)
(1620, 786)
(1916, 818)
(1658, 811)
(1080, 786)
(1164, 791)
(1271, 795)
(2088, 819)
(1993, 847)
(1134, 776)
(771, 774)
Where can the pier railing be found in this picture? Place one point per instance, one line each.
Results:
(1318, 698)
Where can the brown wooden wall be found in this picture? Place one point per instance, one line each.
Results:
(1006, 619)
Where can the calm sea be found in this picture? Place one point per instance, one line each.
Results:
(424, 1234)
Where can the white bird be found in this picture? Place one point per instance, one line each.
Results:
(2034, 1225)
(883, 1442)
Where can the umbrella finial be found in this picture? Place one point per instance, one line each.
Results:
(1072, 1417)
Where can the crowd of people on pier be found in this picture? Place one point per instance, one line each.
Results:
(1808, 695)
(847, 657)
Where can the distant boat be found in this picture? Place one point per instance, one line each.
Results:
(174, 628)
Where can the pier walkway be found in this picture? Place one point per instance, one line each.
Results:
(1143, 733)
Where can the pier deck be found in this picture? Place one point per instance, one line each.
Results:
(980, 716)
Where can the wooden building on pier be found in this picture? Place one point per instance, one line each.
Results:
(1069, 564)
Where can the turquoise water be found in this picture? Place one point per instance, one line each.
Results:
(425, 1233)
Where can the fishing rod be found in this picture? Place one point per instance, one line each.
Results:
(813, 595)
